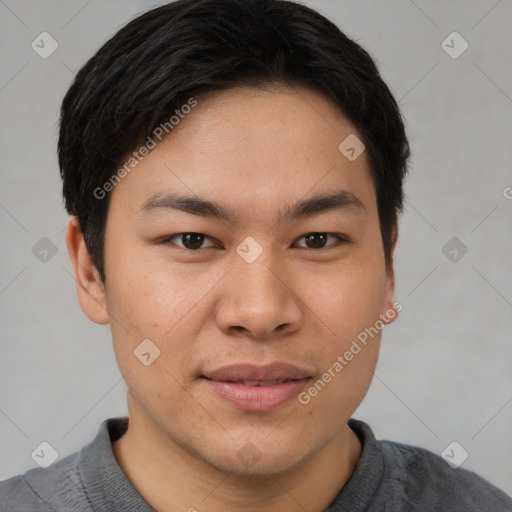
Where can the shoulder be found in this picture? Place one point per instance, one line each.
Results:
(392, 476)
(74, 482)
(16, 494)
(421, 477)
(44, 490)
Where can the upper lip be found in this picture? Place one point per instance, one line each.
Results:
(249, 372)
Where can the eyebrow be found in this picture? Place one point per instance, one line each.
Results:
(341, 200)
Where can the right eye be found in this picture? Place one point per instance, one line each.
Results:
(190, 241)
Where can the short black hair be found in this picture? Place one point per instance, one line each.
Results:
(153, 65)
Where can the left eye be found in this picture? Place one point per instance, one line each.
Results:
(319, 239)
(194, 241)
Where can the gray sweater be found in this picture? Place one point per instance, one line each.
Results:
(388, 477)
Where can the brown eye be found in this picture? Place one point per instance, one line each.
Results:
(319, 240)
(190, 241)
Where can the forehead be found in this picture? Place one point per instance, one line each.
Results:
(265, 117)
(254, 147)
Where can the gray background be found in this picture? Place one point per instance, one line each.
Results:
(445, 369)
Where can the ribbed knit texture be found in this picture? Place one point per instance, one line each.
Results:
(389, 477)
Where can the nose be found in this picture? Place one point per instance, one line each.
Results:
(259, 300)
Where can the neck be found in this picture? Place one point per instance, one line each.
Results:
(170, 478)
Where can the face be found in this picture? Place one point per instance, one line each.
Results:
(252, 315)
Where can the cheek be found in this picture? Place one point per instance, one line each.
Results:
(349, 299)
(153, 297)
(159, 303)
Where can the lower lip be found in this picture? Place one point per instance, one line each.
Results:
(257, 398)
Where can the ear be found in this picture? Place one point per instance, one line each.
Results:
(90, 289)
(391, 311)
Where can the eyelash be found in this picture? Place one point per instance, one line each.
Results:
(342, 239)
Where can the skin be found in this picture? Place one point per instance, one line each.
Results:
(253, 151)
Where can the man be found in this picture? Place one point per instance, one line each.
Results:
(234, 170)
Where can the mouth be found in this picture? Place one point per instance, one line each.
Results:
(257, 389)
(262, 383)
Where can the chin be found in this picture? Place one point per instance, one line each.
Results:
(252, 462)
